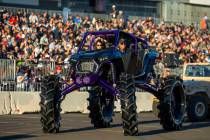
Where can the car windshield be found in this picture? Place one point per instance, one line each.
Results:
(198, 71)
(98, 42)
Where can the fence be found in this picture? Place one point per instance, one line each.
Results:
(23, 76)
(82, 14)
(22, 86)
(7, 70)
(34, 87)
(51, 12)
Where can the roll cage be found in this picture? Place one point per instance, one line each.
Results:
(118, 34)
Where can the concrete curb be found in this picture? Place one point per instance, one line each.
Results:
(5, 103)
(23, 102)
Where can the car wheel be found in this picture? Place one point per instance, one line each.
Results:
(197, 109)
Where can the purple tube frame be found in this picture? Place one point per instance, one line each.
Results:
(93, 79)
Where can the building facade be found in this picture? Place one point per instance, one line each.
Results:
(185, 11)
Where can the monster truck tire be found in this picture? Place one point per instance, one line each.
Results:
(172, 104)
(101, 110)
(197, 109)
(126, 87)
(50, 107)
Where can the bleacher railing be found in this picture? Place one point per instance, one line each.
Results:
(82, 14)
(51, 12)
(7, 70)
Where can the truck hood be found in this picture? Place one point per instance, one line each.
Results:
(109, 53)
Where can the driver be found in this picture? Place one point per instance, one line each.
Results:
(99, 45)
(122, 46)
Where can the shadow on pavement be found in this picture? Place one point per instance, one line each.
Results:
(17, 136)
(152, 132)
(112, 126)
(188, 127)
(196, 125)
(77, 129)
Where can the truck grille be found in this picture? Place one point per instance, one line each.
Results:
(86, 66)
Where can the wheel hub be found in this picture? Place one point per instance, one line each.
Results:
(200, 109)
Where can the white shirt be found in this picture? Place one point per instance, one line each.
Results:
(33, 18)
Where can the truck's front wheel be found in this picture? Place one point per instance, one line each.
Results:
(50, 105)
(126, 87)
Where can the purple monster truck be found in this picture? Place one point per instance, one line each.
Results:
(113, 64)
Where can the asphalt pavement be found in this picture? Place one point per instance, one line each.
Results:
(76, 126)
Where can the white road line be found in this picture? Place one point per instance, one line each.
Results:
(10, 132)
(25, 117)
(3, 122)
(110, 131)
(150, 126)
(86, 121)
(196, 130)
(20, 133)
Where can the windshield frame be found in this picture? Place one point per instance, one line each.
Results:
(114, 32)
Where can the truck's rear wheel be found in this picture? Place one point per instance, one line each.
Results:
(126, 87)
(172, 104)
(101, 106)
(197, 109)
(50, 105)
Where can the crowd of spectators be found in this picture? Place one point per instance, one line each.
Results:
(38, 36)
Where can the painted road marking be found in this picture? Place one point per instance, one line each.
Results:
(11, 132)
(27, 117)
(4, 122)
(108, 130)
(151, 126)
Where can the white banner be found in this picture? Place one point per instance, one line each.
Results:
(202, 2)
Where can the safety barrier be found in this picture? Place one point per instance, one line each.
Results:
(32, 87)
(7, 70)
(21, 102)
(9, 73)
(22, 86)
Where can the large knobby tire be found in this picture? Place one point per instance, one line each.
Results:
(50, 105)
(172, 104)
(101, 107)
(126, 87)
(197, 109)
